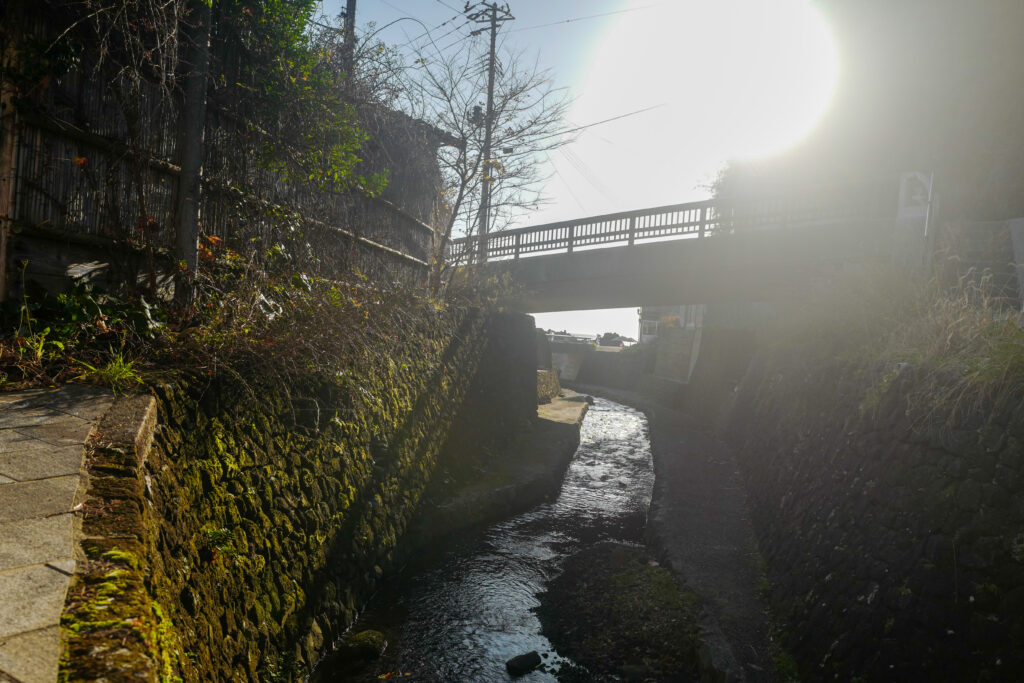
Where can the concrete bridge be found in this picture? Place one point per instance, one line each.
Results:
(706, 252)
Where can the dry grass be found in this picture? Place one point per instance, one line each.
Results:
(967, 347)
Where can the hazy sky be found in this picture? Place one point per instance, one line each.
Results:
(728, 78)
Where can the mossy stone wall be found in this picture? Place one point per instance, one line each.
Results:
(271, 511)
(891, 523)
(547, 386)
(501, 402)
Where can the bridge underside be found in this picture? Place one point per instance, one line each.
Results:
(761, 265)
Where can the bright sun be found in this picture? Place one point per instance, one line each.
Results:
(766, 69)
(738, 78)
(741, 78)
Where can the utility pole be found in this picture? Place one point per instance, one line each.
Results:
(191, 131)
(349, 36)
(493, 14)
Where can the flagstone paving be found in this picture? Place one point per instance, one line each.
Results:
(42, 446)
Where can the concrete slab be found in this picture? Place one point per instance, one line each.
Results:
(32, 657)
(35, 541)
(22, 396)
(10, 440)
(73, 399)
(33, 599)
(66, 431)
(567, 409)
(89, 407)
(41, 461)
(37, 499)
(11, 418)
(42, 433)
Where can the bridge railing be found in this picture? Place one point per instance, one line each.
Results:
(626, 227)
(864, 201)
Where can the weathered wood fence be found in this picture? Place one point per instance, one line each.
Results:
(80, 171)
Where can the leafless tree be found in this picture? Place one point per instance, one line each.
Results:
(449, 90)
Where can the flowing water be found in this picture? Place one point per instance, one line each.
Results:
(464, 616)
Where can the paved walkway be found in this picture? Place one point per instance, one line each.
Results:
(42, 437)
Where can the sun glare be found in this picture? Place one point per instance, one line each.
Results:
(769, 70)
(740, 78)
(736, 78)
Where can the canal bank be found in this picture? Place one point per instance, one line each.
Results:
(463, 612)
(473, 489)
(244, 537)
(700, 526)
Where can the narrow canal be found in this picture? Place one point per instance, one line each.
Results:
(465, 614)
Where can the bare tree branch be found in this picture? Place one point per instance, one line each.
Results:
(447, 90)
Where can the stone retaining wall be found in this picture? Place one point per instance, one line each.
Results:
(264, 515)
(892, 524)
(547, 386)
(618, 370)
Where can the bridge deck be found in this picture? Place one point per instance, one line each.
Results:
(845, 203)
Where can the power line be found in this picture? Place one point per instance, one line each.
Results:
(568, 186)
(462, 25)
(598, 123)
(397, 9)
(454, 9)
(587, 173)
(455, 42)
(427, 32)
(589, 16)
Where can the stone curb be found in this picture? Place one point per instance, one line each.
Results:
(110, 536)
(130, 422)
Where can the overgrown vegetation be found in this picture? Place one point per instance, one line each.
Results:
(968, 345)
(281, 323)
(272, 293)
(613, 594)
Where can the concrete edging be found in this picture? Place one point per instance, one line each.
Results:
(109, 623)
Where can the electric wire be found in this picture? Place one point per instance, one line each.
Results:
(427, 32)
(456, 42)
(598, 123)
(568, 186)
(587, 173)
(397, 9)
(589, 16)
(467, 23)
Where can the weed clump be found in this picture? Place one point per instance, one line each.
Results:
(270, 318)
(965, 346)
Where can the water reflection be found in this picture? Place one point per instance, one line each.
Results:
(464, 618)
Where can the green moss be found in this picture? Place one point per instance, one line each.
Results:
(367, 644)
(122, 556)
(114, 604)
(249, 515)
(786, 667)
(626, 600)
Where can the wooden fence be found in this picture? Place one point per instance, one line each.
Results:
(86, 169)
